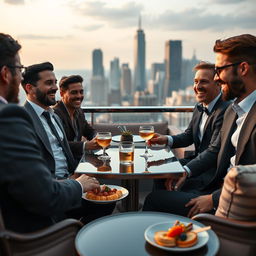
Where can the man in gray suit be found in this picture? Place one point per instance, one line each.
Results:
(29, 198)
(39, 83)
(236, 144)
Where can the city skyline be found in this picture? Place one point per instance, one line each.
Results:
(66, 32)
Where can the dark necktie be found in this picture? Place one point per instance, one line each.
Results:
(201, 108)
(69, 159)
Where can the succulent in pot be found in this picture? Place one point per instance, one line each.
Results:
(126, 136)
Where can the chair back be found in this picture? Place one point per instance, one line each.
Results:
(58, 239)
(236, 237)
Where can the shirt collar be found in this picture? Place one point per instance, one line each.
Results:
(2, 99)
(245, 105)
(212, 103)
(39, 110)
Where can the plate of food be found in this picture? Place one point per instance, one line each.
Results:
(136, 138)
(106, 194)
(177, 236)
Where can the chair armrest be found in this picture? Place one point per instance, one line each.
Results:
(55, 240)
(236, 237)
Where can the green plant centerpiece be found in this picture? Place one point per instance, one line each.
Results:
(126, 136)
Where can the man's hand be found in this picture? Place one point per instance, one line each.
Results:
(199, 205)
(158, 139)
(92, 144)
(173, 184)
(88, 183)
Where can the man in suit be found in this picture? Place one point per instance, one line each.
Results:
(206, 121)
(39, 83)
(236, 143)
(29, 198)
(79, 133)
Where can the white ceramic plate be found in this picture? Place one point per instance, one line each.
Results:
(125, 193)
(150, 232)
(136, 138)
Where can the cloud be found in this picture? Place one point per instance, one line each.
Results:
(125, 16)
(199, 19)
(227, 1)
(41, 37)
(89, 27)
(15, 2)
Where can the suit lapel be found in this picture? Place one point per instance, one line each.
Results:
(246, 130)
(41, 133)
(197, 118)
(66, 115)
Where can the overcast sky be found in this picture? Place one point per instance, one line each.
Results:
(65, 32)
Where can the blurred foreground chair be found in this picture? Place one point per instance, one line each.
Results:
(56, 240)
(237, 238)
(235, 220)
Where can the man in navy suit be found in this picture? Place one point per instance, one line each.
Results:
(29, 198)
(206, 121)
(236, 144)
(39, 83)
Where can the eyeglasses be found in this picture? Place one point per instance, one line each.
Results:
(218, 69)
(20, 67)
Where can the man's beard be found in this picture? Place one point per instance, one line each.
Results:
(13, 92)
(43, 99)
(234, 88)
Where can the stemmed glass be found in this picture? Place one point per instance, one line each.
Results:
(146, 133)
(104, 139)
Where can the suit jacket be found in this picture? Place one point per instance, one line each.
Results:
(221, 150)
(83, 128)
(211, 130)
(29, 197)
(44, 142)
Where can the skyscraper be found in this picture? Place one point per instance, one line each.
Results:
(114, 92)
(97, 63)
(139, 59)
(126, 80)
(173, 66)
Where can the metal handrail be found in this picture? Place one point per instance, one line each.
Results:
(141, 109)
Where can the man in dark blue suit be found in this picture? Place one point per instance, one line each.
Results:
(29, 198)
(40, 85)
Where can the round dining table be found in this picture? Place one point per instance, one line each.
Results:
(123, 235)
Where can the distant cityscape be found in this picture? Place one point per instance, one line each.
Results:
(168, 82)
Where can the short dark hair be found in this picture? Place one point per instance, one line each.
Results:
(65, 81)
(31, 76)
(8, 50)
(238, 48)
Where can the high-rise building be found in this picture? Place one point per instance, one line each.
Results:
(173, 66)
(156, 67)
(114, 92)
(126, 80)
(97, 63)
(139, 59)
(114, 74)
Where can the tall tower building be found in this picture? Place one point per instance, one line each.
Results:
(97, 63)
(173, 66)
(114, 92)
(126, 80)
(99, 86)
(139, 58)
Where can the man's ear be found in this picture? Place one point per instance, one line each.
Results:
(244, 68)
(5, 75)
(28, 88)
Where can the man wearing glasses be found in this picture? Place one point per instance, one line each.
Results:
(236, 144)
(29, 198)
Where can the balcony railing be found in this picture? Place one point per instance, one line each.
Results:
(136, 109)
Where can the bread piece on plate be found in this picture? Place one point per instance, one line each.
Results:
(190, 241)
(161, 238)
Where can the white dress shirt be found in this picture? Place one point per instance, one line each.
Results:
(61, 167)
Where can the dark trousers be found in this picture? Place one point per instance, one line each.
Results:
(173, 201)
(90, 211)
